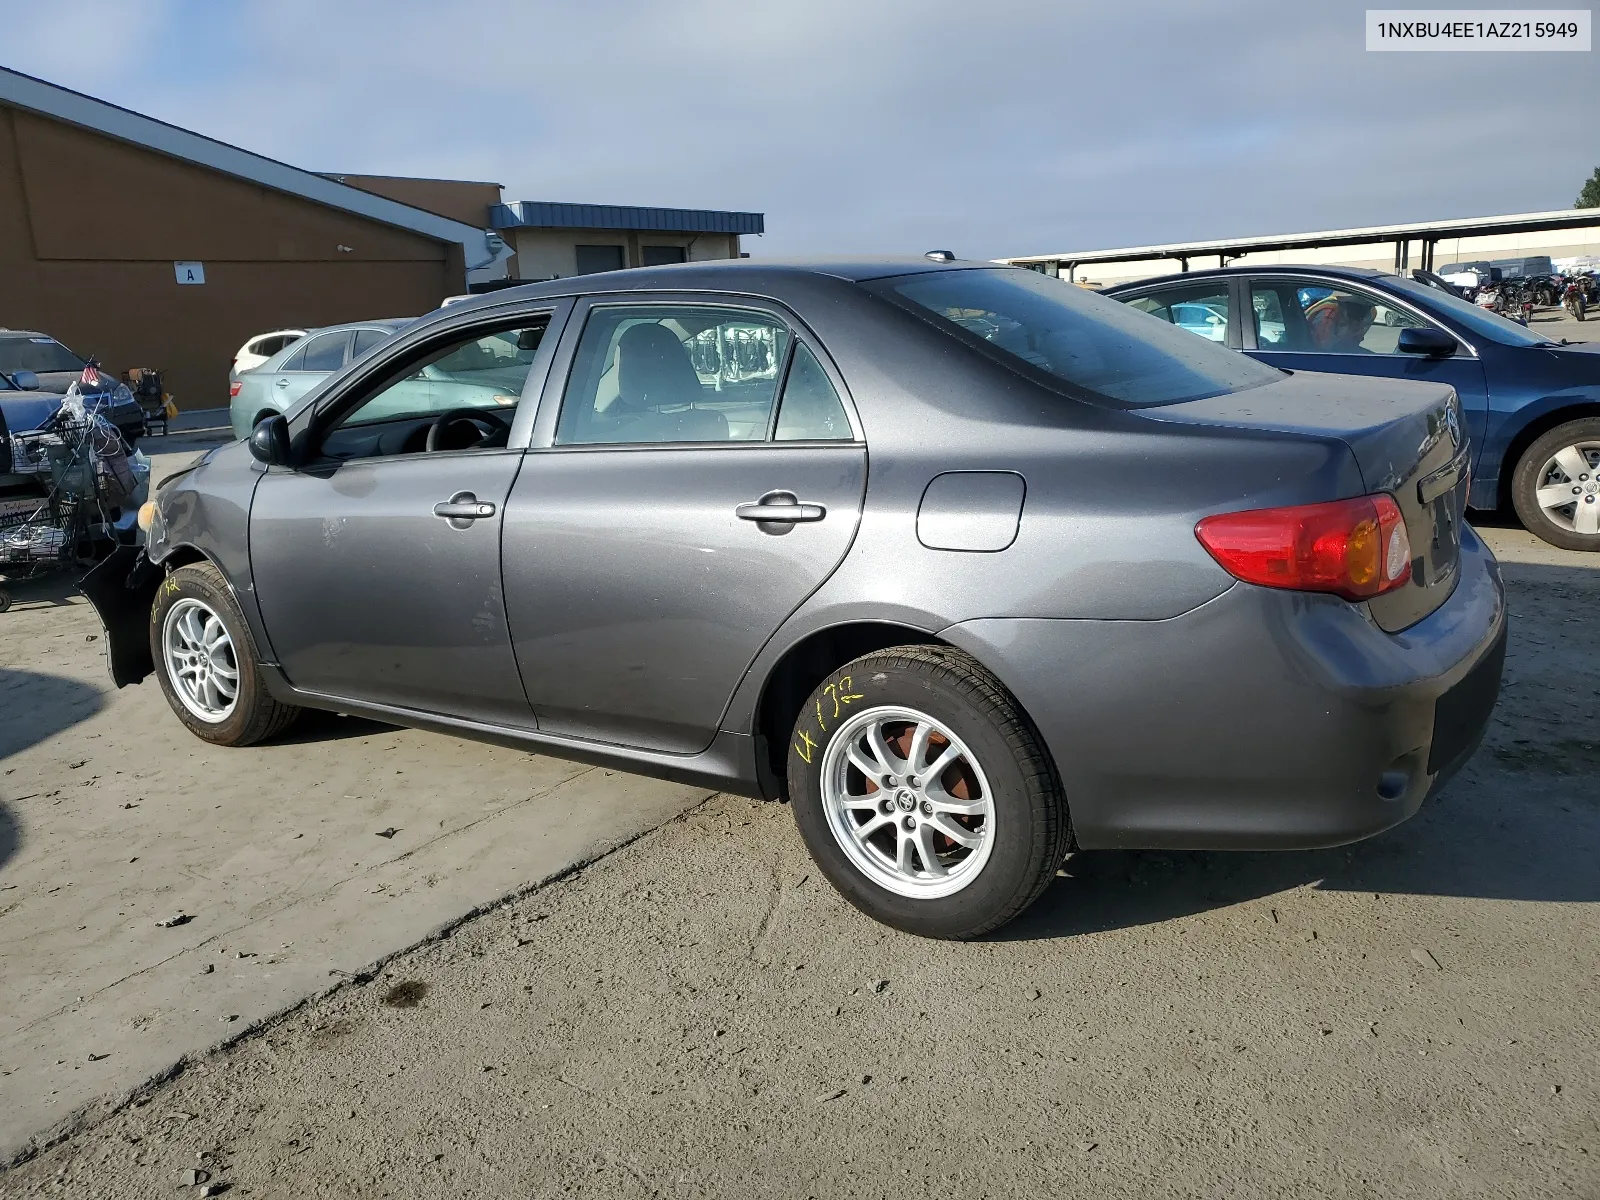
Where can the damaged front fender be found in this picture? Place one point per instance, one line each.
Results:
(123, 591)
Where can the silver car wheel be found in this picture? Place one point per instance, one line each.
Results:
(1568, 491)
(908, 802)
(200, 660)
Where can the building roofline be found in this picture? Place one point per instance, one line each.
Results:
(74, 108)
(547, 214)
(338, 175)
(1563, 218)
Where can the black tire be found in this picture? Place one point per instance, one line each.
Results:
(1526, 478)
(255, 715)
(1029, 827)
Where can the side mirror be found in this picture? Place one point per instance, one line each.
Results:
(269, 440)
(26, 380)
(1432, 343)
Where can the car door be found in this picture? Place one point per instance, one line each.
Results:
(699, 479)
(320, 356)
(1310, 323)
(376, 563)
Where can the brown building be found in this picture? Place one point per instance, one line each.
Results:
(147, 245)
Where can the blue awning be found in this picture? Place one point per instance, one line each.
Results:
(544, 214)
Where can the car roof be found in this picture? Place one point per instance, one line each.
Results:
(1367, 273)
(726, 274)
(392, 324)
(12, 335)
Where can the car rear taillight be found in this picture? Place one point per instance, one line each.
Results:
(233, 389)
(1353, 548)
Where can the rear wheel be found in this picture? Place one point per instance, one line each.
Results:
(924, 793)
(1556, 486)
(207, 663)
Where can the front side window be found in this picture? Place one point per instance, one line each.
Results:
(1058, 332)
(458, 395)
(487, 372)
(1202, 310)
(1316, 318)
(669, 373)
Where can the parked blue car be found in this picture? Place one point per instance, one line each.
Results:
(1532, 405)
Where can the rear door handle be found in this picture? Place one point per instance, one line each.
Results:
(780, 508)
(282, 382)
(462, 509)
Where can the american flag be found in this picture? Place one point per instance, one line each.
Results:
(91, 374)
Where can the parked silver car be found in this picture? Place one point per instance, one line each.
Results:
(304, 362)
(969, 565)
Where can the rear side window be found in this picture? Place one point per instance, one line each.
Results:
(810, 410)
(366, 339)
(1202, 311)
(1056, 331)
(325, 353)
(672, 373)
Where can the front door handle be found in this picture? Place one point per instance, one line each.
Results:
(777, 512)
(462, 509)
(283, 383)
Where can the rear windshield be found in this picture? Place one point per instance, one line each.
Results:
(1058, 330)
(36, 354)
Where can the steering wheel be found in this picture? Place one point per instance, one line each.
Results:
(469, 417)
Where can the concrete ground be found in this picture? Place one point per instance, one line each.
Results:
(296, 865)
(698, 1014)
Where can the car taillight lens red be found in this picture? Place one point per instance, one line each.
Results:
(1353, 548)
(233, 389)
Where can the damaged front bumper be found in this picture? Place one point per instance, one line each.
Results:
(123, 591)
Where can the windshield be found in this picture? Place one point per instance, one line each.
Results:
(36, 354)
(1476, 318)
(1029, 320)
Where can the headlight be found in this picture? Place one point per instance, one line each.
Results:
(122, 395)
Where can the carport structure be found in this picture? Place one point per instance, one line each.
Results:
(1414, 245)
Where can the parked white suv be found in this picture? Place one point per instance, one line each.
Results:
(263, 346)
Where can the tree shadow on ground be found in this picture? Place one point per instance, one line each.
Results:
(37, 706)
(10, 835)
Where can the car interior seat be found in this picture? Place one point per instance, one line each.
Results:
(656, 380)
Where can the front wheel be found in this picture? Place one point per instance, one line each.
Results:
(1556, 486)
(207, 663)
(924, 793)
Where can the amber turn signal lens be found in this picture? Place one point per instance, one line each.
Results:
(147, 514)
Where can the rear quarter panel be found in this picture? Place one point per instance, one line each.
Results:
(1112, 497)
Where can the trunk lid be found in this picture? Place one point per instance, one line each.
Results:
(1408, 440)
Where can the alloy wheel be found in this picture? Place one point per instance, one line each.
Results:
(200, 660)
(908, 802)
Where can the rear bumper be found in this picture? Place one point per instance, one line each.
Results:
(1262, 719)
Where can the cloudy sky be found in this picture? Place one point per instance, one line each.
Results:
(1000, 127)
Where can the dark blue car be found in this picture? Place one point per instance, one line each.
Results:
(1532, 405)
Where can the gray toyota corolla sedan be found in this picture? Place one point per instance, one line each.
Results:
(969, 565)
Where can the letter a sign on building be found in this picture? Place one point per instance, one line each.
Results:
(189, 272)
